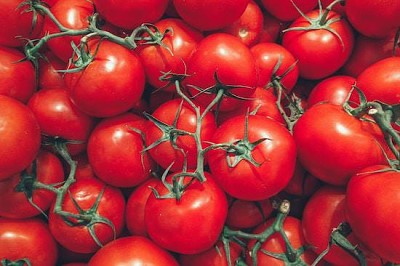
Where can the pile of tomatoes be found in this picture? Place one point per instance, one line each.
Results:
(212, 132)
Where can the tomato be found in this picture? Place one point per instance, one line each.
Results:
(275, 243)
(17, 79)
(129, 15)
(285, 10)
(373, 195)
(334, 89)
(380, 81)
(249, 26)
(115, 151)
(26, 239)
(234, 170)
(302, 183)
(275, 62)
(333, 145)
(156, 59)
(373, 19)
(17, 23)
(135, 207)
(320, 49)
(19, 135)
(49, 75)
(210, 14)
(15, 191)
(185, 225)
(322, 214)
(132, 250)
(103, 88)
(219, 54)
(98, 201)
(59, 117)
(244, 214)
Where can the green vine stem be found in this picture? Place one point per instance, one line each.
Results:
(20, 262)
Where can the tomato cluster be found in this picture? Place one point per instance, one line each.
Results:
(213, 132)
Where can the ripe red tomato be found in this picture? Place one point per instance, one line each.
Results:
(210, 14)
(276, 156)
(59, 117)
(17, 23)
(19, 135)
(48, 75)
(243, 214)
(132, 250)
(372, 210)
(131, 14)
(104, 88)
(220, 54)
(332, 145)
(115, 151)
(17, 79)
(285, 10)
(14, 191)
(191, 224)
(27, 239)
(302, 183)
(96, 200)
(320, 52)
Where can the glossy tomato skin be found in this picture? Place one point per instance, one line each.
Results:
(220, 54)
(131, 14)
(17, 23)
(210, 14)
(275, 243)
(276, 156)
(243, 214)
(17, 79)
(132, 250)
(72, 14)
(49, 75)
(175, 224)
(104, 88)
(19, 135)
(59, 117)
(85, 192)
(119, 137)
(324, 211)
(285, 10)
(156, 59)
(372, 195)
(15, 203)
(305, 45)
(27, 239)
(332, 145)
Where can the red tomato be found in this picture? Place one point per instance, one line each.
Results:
(210, 14)
(98, 201)
(380, 81)
(376, 19)
(234, 171)
(334, 89)
(372, 199)
(220, 54)
(17, 79)
(72, 14)
(302, 183)
(249, 26)
(285, 10)
(131, 14)
(275, 62)
(104, 88)
(19, 135)
(272, 28)
(275, 243)
(244, 214)
(59, 117)
(48, 75)
(157, 60)
(332, 145)
(191, 224)
(15, 191)
(324, 211)
(27, 239)
(135, 207)
(320, 49)
(181, 117)
(17, 23)
(130, 251)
